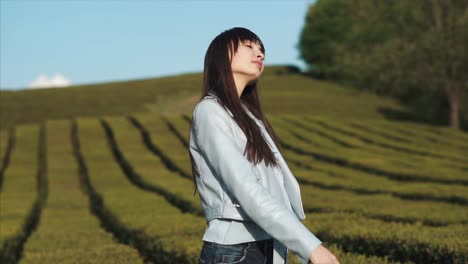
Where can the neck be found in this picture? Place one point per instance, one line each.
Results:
(240, 84)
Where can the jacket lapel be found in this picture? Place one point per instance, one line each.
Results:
(290, 183)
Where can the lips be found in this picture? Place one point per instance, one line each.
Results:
(259, 63)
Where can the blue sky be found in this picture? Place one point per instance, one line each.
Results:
(98, 41)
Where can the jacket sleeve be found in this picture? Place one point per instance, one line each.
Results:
(214, 138)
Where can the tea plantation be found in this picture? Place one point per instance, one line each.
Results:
(84, 180)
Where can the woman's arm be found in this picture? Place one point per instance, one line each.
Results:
(215, 141)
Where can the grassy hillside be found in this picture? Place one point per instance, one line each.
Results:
(280, 93)
(101, 173)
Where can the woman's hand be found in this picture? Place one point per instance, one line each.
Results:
(321, 255)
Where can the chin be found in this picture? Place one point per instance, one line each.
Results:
(256, 74)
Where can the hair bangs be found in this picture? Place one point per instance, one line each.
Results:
(241, 35)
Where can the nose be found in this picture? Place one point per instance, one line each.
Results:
(261, 56)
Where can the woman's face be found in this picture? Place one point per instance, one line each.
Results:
(248, 61)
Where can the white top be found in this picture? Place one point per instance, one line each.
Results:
(249, 230)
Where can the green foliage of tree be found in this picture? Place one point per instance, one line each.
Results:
(326, 24)
(413, 50)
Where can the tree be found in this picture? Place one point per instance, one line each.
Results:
(400, 48)
(326, 24)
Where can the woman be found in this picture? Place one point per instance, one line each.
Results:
(250, 198)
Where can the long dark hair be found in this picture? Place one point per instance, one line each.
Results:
(218, 78)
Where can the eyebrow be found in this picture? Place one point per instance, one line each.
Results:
(252, 42)
(255, 42)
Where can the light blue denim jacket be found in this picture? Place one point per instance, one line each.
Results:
(230, 187)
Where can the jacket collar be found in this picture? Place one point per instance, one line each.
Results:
(212, 94)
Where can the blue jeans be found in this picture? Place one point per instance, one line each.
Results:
(256, 252)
